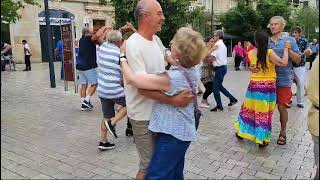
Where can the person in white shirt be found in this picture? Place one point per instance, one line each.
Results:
(27, 54)
(219, 61)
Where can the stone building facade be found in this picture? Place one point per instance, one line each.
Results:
(29, 27)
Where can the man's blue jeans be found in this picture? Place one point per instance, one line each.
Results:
(220, 72)
(168, 159)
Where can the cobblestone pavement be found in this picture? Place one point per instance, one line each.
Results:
(44, 135)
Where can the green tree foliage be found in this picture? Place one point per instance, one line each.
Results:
(244, 19)
(9, 9)
(176, 12)
(241, 20)
(266, 9)
(308, 19)
(200, 21)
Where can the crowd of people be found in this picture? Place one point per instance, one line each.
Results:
(127, 69)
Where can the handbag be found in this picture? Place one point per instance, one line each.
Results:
(197, 112)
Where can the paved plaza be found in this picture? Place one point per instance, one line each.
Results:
(44, 135)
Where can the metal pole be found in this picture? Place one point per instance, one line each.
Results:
(74, 57)
(51, 65)
(212, 14)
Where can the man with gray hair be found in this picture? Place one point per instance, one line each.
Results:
(219, 61)
(110, 89)
(145, 54)
(277, 42)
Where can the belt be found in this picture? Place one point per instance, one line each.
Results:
(219, 66)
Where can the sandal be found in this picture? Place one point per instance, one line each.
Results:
(241, 138)
(282, 140)
(263, 145)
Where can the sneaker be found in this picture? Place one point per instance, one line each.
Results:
(85, 108)
(111, 128)
(204, 104)
(216, 109)
(106, 146)
(232, 102)
(300, 106)
(88, 104)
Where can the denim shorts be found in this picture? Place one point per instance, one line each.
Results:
(88, 76)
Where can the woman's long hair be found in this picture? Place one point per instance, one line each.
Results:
(261, 40)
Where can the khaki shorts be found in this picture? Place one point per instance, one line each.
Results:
(145, 143)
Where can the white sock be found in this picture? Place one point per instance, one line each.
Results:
(82, 99)
(88, 98)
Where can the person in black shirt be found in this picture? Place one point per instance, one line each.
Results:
(87, 64)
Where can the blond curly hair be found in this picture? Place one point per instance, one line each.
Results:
(190, 46)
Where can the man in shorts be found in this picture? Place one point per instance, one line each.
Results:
(277, 42)
(146, 54)
(87, 64)
(110, 89)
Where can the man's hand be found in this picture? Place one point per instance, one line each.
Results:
(180, 100)
(183, 99)
(308, 52)
(254, 69)
(127, 28)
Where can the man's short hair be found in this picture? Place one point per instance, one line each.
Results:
(24, 41)
(139, 10)
(279, 18)
(114, 36)
(220, 33)
(85, 31)
(297, 29)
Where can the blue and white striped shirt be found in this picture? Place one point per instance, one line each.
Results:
(109, 72)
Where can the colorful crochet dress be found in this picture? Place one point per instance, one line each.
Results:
(255, 117)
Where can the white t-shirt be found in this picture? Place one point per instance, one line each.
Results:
(26, 47)
(143, 56)
(221, 54)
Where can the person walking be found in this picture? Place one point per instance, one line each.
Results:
(145, 53)
(219, 61)
(277, 42)
(238, 53)
(87, 64)
(314, 45)
(207, 75)
(175, 127)
(59, 53)
(27, 55)
(313, 115)
(110, 89)
(255, 118)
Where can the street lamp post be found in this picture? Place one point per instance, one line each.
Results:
(49, 34)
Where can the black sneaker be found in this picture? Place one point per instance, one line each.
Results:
(111, 129)
(106, 146)
(85, 108)
(216, 109)
(88, 104)
(300, 106)
(232, 102)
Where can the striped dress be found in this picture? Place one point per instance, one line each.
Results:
(109, 72)
(255, 117)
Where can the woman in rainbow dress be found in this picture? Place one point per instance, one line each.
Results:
(255, 117)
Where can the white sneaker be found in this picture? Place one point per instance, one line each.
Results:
(204, 105)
